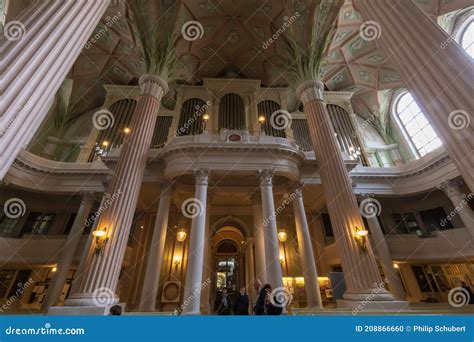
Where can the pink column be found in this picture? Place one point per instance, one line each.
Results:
(35, 59)
(436, 70)
(98, 276)
(360, 268)
(260, 268)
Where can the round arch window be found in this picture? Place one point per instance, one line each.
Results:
(417, 130)
(467, 38)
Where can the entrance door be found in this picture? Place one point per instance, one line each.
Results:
(227, 273)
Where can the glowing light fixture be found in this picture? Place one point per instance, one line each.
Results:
(127, 130)
(105, 143)
(360, 236)
(181, 235)
(206, 117)
(282, 235)
(100, 237)
(54, 269)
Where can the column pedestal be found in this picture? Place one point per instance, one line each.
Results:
(155, 256)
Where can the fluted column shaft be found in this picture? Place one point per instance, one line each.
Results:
(260, 268)
(207, 266)
(385, 258)
(436, 71)
(250, 270)
(461, 207)
(360, 268)
(68, 252)
(100, 272)
(272, 249)
(157, 248)
(35, 63)
(193, 284)
(308, 263)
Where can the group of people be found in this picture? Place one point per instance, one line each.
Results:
(265, 304)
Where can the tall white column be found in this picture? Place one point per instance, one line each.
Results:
(99, 272)
(250, 270)
(436, 70)
(360, 268)
(37, 53)
(68, 252)
(385, 258)
(307, 260)
(452, 189)
(157, 248)
(207, 265)
(193, 284)
(272, 249)
(260, 268)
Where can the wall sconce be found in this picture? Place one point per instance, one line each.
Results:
(181, 235)
(54, 269)
(360, 237)
(205, 120)
(127, 130)
(176, 261)
(261, 121)
(100, 237)
(396, 266)
(282, 236)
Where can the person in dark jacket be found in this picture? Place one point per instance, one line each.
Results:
(223, 303)
(273, 307)
(259, 308)
(241, 305)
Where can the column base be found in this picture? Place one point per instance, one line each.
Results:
(100, 298)
(361, 305)
(191, 313)
(82, 310)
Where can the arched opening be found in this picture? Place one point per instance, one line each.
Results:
(228, 260)
(231, 112)
(275, 120)
(467, 37)
(190, 120)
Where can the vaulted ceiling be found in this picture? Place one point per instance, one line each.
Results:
(233, 41)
